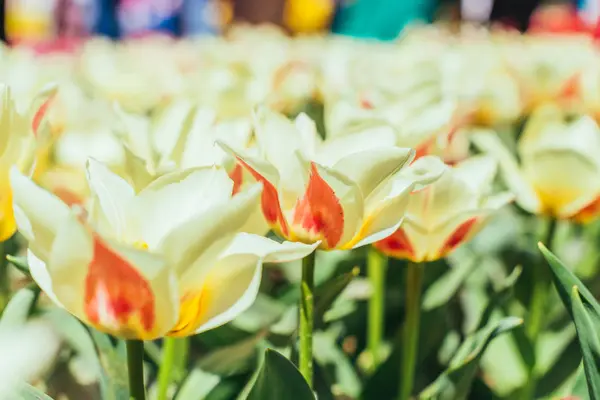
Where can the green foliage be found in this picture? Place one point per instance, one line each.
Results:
(279, 379)
(585, 311)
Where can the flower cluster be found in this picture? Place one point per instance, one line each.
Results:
(145, 185)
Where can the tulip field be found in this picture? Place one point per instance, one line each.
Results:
(264, 217)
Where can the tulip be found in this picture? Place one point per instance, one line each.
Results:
(338, 192)
(558, 177)
(168, 261)
(181, 136)
(438, 219)
(422, 121)
(344, 193)
(447, 213)
(559, 171)
(24, 133)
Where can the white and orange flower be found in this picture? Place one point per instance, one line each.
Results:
(344, 193)
(180, 136)
(559, 171)
(23, 135)
(447, 213)
(175, 259)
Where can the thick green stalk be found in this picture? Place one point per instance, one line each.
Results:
(307, 317)
(165, 373)
(541, 288)
(376, 268)
(410, 337)
(135, 369)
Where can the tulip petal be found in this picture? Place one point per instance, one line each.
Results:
(113, 196)
(38, 213)
(216, 297)
(164, 205)
(8, 223)
(128, 292)
(371, 167)
(364, 137)
(228, 290)
(386, 206)
(397, 245)
(330, 209)
(269, 177)
(565, 181)
(41, 276)
(187, 245)
(525, 195)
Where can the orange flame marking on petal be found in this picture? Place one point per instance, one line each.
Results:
(589, 212)
(570, 89)
(40, 114)
(397, 245)
(458, 236)
(117, 297)
(319, 211)
(67, 196)
(270, 201)
(237, 176)
(423, 149)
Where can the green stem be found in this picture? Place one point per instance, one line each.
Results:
(307, 317)
(181, 358)
(410, 337)
(135, 369)
(4, 278)
(537, 308)
(376, 267)
(165, 372)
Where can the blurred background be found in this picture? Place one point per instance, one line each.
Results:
(43, 21)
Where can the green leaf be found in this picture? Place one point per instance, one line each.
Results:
(28, 392)
(279, 379)
(20, 263)
(328, 292)
(587, 323)
(230, 360)
(580, 389)
(18, 309)
(197, 385)
(455, 383)
(340, 370)
(113, 377)
(501, 293)
(564, 280)
(447, 285)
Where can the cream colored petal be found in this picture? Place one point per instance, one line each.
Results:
(277, 137)
(167, 125)
(369, 168)
(564, 180)
(239, 271)
(268, 249)
(162, 207)
(384, 213)
(229, 290)
(112, 196)
(364, 137)
(186, 245)
(308, 133)
(38, 213)
(387, 204)
(71, 254)
(41, 276)
(514, 179)
(478, 172)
